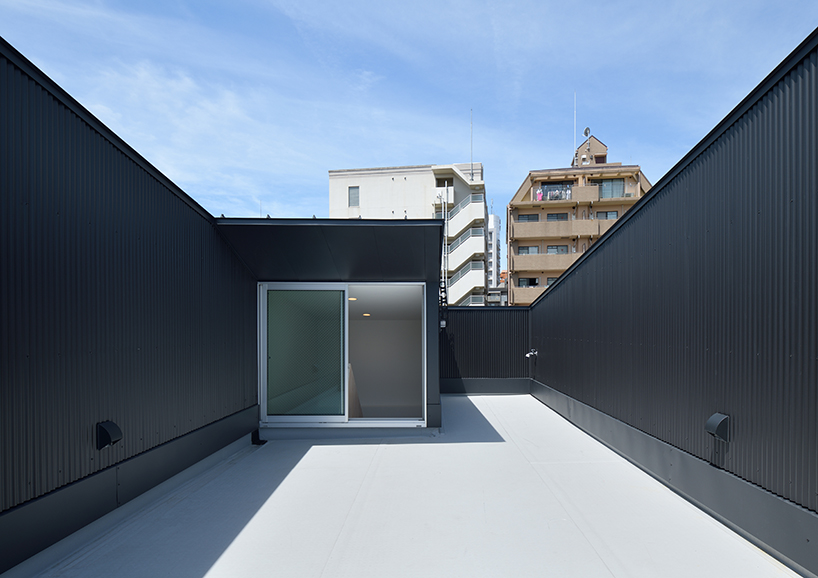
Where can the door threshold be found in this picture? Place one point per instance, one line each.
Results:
(353, 423)
(349, 432)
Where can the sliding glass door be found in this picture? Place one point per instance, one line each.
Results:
(338, 354)
(304, 342)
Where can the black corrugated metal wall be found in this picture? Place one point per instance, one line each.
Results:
(484, 342)
(119, 300)
(705, 298)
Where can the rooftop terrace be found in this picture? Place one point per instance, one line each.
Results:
(506, 488)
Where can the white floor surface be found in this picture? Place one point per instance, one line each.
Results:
(508, 489)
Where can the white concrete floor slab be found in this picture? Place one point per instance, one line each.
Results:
(508, 488)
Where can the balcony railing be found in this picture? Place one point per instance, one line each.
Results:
(586, 193)
(606, 224)
(582, 193)
(470, 266)
(543, 262)
(467, 234)
(524, 295)
(551, 194)
(474, 198)
(472, 300)
(546, 229)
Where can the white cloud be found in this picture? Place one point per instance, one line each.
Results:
(226, 148)
(231, 147)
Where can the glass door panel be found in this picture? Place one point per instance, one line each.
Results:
(305, 352)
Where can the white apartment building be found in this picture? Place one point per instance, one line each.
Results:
(454, 192)
(493, 242)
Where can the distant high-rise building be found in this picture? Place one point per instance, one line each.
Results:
(454, 192)
(493, 255)
(557, 214)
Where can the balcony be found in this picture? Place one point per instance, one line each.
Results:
(525, 230)
(538, 198)
(578, 195)
(444, 193)
(472, 300)
(557, 228)
(630, 195)
(605, 224)
(586, 194)
(554, 229)
(507, 488)
(560, 194)
(543, 262)
(584, 228)
(465, 281)
(471, 242)
(524, 295)
(468, 213)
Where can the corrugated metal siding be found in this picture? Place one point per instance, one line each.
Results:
(484, 342)
(119, 300)
(704, 299)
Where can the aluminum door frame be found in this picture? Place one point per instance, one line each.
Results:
(292, 420)
(338, 421)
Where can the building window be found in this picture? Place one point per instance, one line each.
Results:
(529, 250)
(533, 218)
(446, 182)
(550, 280)
(354, 197)
(557, 249)
(607, 215)
(528, 282)
(557, 217)
(611, 188)
(601, 159)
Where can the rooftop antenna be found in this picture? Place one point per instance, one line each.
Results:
(471, 144)
(575, 128)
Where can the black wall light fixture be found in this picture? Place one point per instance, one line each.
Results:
(718, 425)
(108, 433)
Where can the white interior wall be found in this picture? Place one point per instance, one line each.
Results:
(387, 360)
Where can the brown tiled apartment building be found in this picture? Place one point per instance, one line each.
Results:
(557, 214)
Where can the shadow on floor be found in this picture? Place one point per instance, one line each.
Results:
(195, 523)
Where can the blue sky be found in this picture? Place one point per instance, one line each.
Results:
(247, 104)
